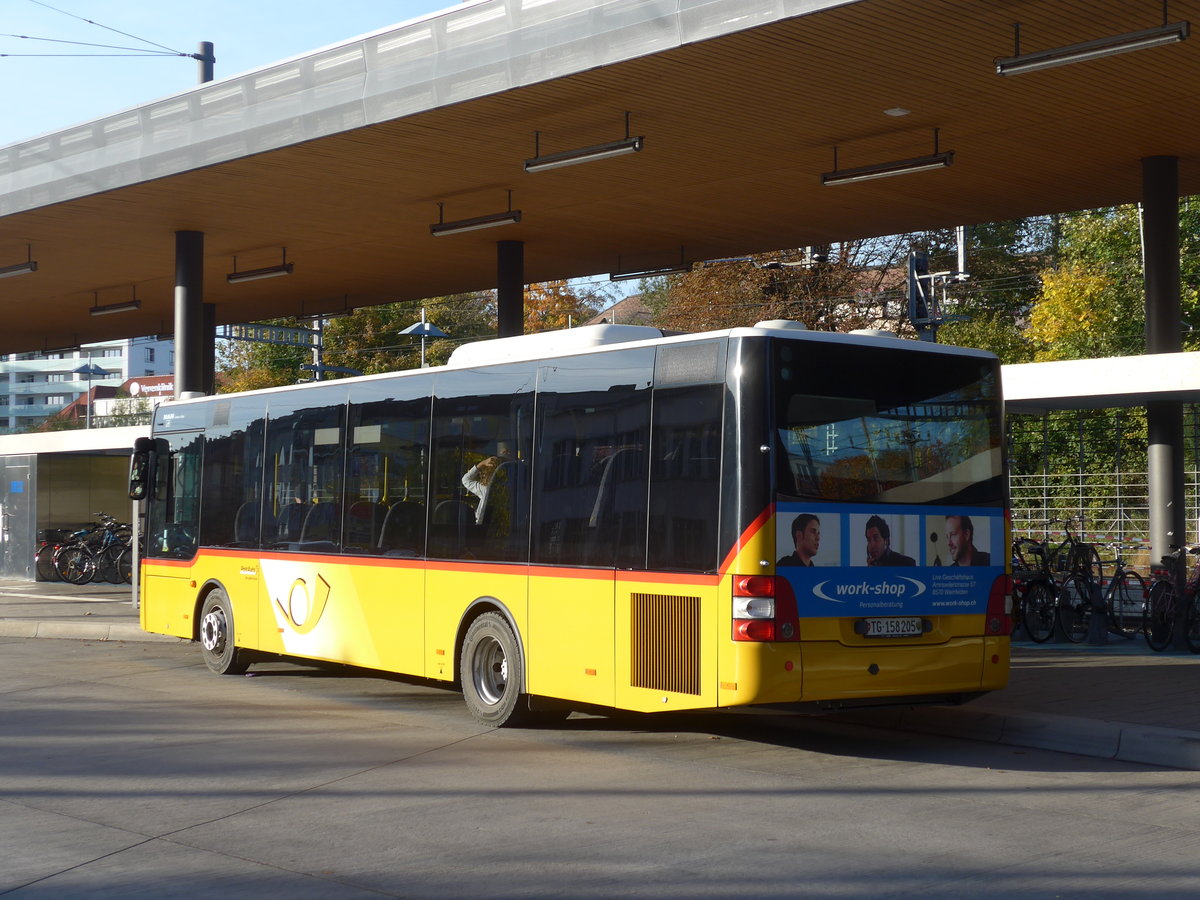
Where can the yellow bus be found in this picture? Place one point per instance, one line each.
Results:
(601, 517)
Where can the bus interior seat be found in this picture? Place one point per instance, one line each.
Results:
(401, 531)
(290, 521)
(245, 524)
(318, 523)
(363, 521)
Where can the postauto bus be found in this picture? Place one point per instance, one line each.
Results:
(601, 517)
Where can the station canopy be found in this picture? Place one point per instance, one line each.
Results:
(342, 156)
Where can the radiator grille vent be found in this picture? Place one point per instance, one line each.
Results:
(666, 643)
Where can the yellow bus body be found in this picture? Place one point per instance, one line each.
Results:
(630, 640)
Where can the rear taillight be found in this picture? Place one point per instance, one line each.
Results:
(764, 609)
(999, 609)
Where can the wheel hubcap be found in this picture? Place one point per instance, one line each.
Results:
(212, 632)
(490, 671)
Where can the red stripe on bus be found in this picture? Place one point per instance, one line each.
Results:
(744, 538)
(581, 574)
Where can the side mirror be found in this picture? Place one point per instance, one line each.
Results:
(141, 469)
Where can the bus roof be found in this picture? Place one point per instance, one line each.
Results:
(600, 337)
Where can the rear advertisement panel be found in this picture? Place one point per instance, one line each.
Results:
(848, 559)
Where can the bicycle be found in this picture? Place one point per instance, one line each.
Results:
(1035, 594)
(1073, 556)
(78, 561)
(1124, 594)
(49, 543)
(1162, 608)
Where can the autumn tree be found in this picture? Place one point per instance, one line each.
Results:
(553, 305)
(822, 293)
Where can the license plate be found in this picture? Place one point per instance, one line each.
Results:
(899, 627)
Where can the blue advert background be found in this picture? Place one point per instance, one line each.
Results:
(919, 560)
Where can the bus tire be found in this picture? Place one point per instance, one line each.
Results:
(491, 673)
(216, 636)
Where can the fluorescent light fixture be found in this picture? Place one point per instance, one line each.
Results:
(684, 265)
(508, 217)
(1159, 36)
(256, 274)
(236, 277)
(543, 163)
(128, 306)
(936, 160)
(584, 154)
(887, 169)
(650, 273)
(20, 268)
(512, 217)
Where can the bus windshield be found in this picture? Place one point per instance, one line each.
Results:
(867, 424)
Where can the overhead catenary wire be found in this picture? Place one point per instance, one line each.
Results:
(105, 27)
(162, 49)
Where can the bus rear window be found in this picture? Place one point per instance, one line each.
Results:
(872, 424)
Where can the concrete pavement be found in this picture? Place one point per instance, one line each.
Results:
(1117, 701)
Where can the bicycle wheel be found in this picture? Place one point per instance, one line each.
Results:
(45, 563)
(1159, 618)
(75, 564)
(1075, 608)
(1192, 624)
(1039, 612)
(107, 564)
(125, 565)
(1125, 601)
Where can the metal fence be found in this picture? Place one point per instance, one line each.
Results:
(1110, 507)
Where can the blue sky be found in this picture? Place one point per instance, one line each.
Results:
(46, 94)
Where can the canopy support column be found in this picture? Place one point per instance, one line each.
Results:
(1164, 334)
(510, 288)
(189, 312)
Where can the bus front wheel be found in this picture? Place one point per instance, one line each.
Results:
(491, 672)
(216, 636)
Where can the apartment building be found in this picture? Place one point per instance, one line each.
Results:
(35, 386)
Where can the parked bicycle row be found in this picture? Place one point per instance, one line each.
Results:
(101, 551)
(1059, 588)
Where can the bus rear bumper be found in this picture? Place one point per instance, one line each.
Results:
(958, 667)
(833, 674)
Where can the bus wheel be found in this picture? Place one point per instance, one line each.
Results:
(216, 636)
(491, 672)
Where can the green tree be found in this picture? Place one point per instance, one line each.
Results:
(248, 366)
(370, 340)
(1092, 302)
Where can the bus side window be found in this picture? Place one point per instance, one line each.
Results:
(589, 502)
(482, 442)
(233, 474)
(685, 478)
(387, 462)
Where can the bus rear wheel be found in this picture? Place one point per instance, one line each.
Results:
(216, 636)
(492, 674)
